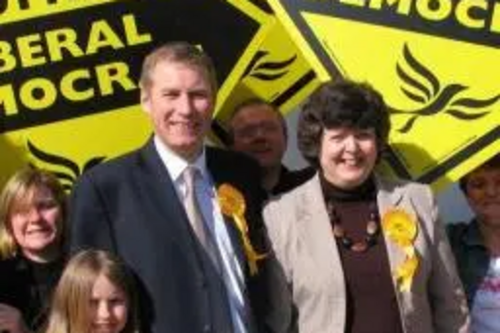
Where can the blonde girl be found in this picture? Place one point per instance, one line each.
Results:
(96, 294)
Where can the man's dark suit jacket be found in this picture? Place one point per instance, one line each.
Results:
(129, 206)
(291, 179)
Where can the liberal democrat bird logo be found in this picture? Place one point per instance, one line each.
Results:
(68, 172)
(262, 69)
(423, 87)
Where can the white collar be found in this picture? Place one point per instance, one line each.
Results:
(175, 164)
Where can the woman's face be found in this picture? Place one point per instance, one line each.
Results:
(35, 224)
(108, 307)
(483, 194)
(348, 155)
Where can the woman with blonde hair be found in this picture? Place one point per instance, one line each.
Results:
(96, 294)
(32, 212)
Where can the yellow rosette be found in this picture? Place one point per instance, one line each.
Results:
(232, 204)
(401, 228)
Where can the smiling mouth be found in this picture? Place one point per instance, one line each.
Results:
(107, 324)
(39, 231)
(104, 327)
(352, 163)
(188, 124)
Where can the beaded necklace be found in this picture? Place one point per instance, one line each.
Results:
(371, 234)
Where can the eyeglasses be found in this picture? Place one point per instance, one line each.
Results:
(250, 131)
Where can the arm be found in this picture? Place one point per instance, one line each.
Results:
(284, 309)
(275, 309)
(89, 220)
(446, 295)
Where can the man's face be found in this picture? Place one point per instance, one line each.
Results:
(258, 132)
(180, 102)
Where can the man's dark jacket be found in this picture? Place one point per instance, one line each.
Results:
(129, 206)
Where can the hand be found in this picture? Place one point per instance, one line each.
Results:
(11, 320)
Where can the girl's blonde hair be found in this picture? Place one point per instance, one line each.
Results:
(70, 309)
(17, 193)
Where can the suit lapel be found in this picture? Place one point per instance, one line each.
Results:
(390, 198)
(172, 220)
(315, 230)
(220, 177)
(316, 227)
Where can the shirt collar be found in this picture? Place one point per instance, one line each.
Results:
(175, 164)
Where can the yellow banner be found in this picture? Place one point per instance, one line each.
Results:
(436, 66)
(271, 68)
(69, 97)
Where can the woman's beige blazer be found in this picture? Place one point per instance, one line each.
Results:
(301, 235)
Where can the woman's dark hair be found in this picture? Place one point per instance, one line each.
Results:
(342, 103)
(492, 163)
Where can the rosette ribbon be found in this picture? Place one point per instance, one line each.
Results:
(233, 205)
(401, 228)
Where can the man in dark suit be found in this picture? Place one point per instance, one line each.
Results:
(192, 278)
(258, 129)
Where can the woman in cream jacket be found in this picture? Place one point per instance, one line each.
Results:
(361, 254)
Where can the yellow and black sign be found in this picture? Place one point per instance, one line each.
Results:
(436, 62)
(271, 67)
(69, 68)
